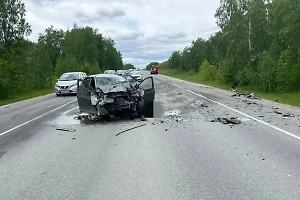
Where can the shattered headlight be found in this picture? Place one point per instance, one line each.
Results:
(108, 100)
(94, 100)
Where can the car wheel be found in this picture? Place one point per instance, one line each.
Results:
(58, 95)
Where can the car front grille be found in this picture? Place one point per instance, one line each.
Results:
(64, 87)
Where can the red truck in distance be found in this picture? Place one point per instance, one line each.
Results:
(154, 70)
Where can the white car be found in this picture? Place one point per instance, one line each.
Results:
(67, 83)
(137, 75)
(109, 72)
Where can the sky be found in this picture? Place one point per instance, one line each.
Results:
(144, 30)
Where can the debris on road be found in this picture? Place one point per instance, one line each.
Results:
(174, 112)
(277, 112)
(179, 93)
(284, 114)
(251, 96)
(65, 129)
(166, 129)
(237, 94)
(232, 120)
(179, 120)
(81, 116)
(249, 102)
(198, 104)
(130, 129)
(288, 115)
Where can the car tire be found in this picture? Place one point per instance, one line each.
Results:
(58, 95)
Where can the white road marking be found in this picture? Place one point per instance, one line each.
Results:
(246, 115)
(66, 112)
(10, 130)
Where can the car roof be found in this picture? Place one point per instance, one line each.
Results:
(73, 72)
(105, 75)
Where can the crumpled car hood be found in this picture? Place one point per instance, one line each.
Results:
(111, 88)
(66, 83)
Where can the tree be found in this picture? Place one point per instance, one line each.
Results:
(267, 73)
(53, 40)
(67, 64)
(40, 67)
(207, 71)
(128, 66)
(13, 25)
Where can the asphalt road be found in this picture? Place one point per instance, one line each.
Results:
(180, 155)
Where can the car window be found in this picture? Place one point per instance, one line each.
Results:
(86, 82)
(69, 77)
(146, 84)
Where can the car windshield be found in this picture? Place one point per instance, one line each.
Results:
(69, 77)
(130, 79)
(109, 72)
(105, 81)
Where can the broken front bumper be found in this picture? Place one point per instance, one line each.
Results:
(60, 90)
(118, 107)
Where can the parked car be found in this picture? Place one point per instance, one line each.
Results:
(106, 95)
(67, 83)
(137, 75)
(110, 72)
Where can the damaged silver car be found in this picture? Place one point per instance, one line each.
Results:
(107, 95)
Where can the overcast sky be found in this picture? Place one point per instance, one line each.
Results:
(144, 30)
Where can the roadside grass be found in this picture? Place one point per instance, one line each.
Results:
(287, 98)
(27, 95)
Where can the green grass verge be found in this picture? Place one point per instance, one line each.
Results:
(27, 95)
(287, 98)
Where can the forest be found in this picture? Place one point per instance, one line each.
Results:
(26, 66)
(257, 45)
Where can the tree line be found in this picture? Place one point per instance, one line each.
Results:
(257, 45)
(27, 65)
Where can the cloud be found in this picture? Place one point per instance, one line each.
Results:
(100, 14)
(111, 13)
(143, 30)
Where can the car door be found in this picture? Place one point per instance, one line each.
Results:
(84, 92)
(149, 91)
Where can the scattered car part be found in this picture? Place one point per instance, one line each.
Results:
(65, 129)
(232, 120)
(130, 129)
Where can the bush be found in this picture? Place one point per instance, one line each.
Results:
(3, 91)
(207, 71)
